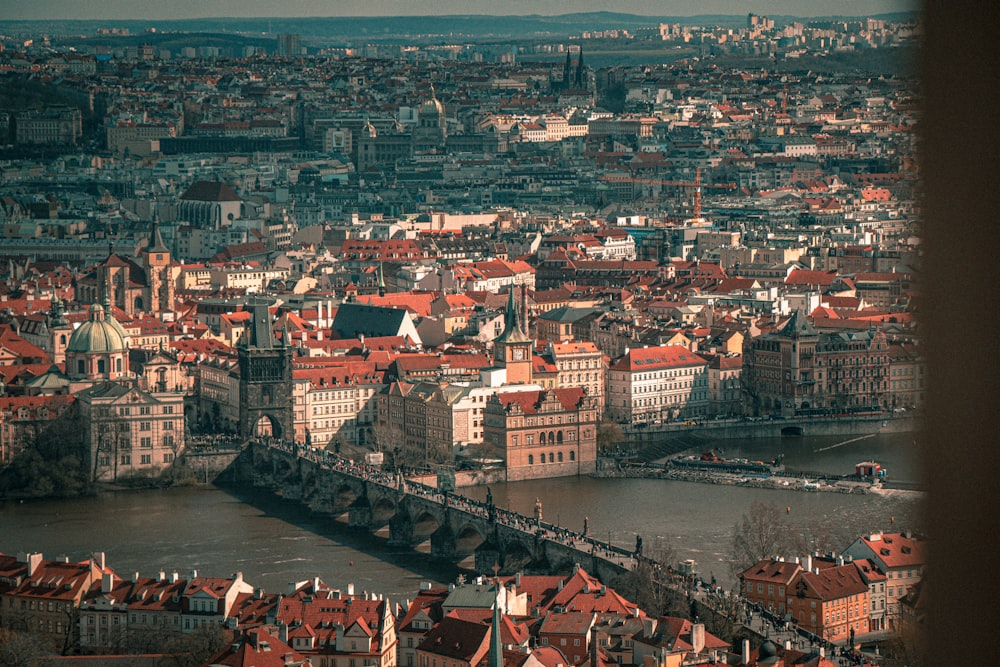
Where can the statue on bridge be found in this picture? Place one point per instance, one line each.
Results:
(638, 545)
(586, 525)
(538, 510)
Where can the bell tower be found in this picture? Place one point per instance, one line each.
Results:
(265, 379)
(513, 347)
(160, 285)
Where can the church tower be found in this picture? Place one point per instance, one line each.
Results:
(159, 296)
(513, 347)
(265, 379)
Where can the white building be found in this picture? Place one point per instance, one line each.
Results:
(657, 384)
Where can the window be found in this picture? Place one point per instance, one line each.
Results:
(146, 442)
(531, 459)
(126, 459)
(144, 426)
(146, 459)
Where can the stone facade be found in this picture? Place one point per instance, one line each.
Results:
(265, 380)
(547, 433)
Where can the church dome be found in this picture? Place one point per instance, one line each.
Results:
(431, 107)
(98, 334)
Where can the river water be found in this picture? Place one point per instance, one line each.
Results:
(219, 531)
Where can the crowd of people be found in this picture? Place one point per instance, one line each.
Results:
(767, 622)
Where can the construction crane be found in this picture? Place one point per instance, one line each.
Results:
(696, 184)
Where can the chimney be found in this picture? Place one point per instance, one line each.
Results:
(746, 652)
(173, 577)
(107, 582)
(163, 576)
(350, 589)
(97, 559)
(283, 632)
(517, 579)
(135, 577)
(840, 560)
(315, 584)
(193, 575)
(33, 560)
(425, 585)
(698, 637)
(807, 564)
(822, 652)
(788, 644)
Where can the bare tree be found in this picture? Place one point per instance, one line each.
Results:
(723, 614)
(18, 649)
(651, 585)
(763, 532)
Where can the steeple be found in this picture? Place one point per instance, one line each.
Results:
(381, 280)
(495, 658)
(156, 243)
(512, 331)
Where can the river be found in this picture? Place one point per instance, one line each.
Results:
(219, 531)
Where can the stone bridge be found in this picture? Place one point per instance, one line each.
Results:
(456, 527)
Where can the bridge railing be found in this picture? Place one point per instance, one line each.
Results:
(528, 525)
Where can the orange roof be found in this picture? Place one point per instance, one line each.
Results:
(657, 358)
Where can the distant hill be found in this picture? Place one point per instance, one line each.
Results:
(328, 30)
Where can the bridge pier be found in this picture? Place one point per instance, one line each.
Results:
(443, 543)
(359, 514)
(401, 531)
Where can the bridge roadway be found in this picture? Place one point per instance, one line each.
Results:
(457, 527)
(460, 527)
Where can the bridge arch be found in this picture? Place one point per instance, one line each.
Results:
(383, 509)
(425, 524)
(343, 497)
(467, 539)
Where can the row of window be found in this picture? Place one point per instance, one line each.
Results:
(556, 457)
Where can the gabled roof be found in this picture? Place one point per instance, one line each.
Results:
(215, 191)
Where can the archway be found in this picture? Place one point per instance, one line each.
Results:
(382, 511)
(467, 540)
(343, 497)
(266, 426)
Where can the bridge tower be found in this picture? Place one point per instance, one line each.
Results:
(265, 379)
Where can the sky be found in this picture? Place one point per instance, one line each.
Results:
(153, 10)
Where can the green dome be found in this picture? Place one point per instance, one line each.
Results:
(97, 334)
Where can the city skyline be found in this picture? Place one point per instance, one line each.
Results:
(192, 9)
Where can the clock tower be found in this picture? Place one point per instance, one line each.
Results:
(513, 347)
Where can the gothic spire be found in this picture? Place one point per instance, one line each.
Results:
(495, 658)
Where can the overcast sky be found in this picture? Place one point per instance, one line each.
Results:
(177, 9)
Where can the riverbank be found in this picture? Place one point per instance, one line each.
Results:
(777, 482)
